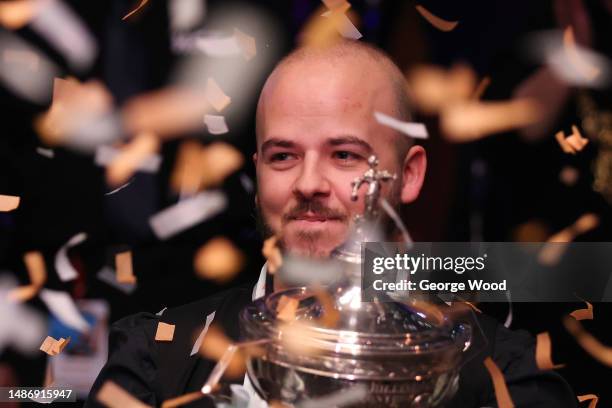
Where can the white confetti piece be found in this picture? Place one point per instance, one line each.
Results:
(108, 276)
(59, 25)
(198, 342)
(186, 14)
(412, 129)
(106, 154)
(31, 82)
(119, 188)
(345, 26)
(356, 393)
(48, 153)
(64, 268)
(216, 124)
(161, 312)
(247, 183)
(215, 46)
(62, 306)
(246, 43)
(187, 213)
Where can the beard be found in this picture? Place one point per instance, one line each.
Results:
(310, 240)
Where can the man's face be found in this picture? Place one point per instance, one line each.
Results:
(316, 132)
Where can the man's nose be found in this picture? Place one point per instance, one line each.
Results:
(312, 181)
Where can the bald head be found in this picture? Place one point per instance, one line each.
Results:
(374, 70)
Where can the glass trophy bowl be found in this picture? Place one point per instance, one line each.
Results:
(406, 356)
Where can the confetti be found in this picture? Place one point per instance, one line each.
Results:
(53, 347)
(481, 88)
(344, 25)
(329, 314)
(218, 260)
(167, 112)
(471, 121)
(502, 395)
(106, 154)
(62, 306)
(569, 176)
(198, 342)
(189, 168)
(218, 347)
(322, 29)
(246, 43)
(16, 14)
(295, 337)
(109, 276)
(64, 268)
(543, 353)
(23, 293)
(553, 250)
(215, 124)
(576, 140)
(272, 253)
(590, 344)
(589, 397)
(589, 71)
(63, 29)
(565, 146)
(130, 158)
(187, 213)
(183, 399)
(25, 58)
(412, 129)
(9, 202)
(113, 396)
(215, 95)
(35, 264)
(583, 314)
(123, 268)
(219, 161)
(165, 332)
(17, 74)
(48, 153)
(186, 14)
(437, 22)
(215, 46)
(137, 9)
(346, 397)
(433, 88)
(286, 308)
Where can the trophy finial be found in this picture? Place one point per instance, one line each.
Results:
(373, 178)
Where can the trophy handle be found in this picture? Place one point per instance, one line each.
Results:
(468, 336)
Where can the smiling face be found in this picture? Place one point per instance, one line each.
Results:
(316, 130)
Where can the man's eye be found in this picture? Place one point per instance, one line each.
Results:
(276, 157)
(346, 156)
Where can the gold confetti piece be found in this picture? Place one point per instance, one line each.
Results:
(324, 29)
(17, 13)
(53, 347)
(440, 24)
(576, 140)
(543, 353)
(215, 344)
(215, 95)
(589, 397)
(165, 332)
(131, 13)
(130, 157)
(330, 315)
(246, 43)
(296, 337)
(123, 268)
(219, 161)
(272, 253)
(583, 314)
(286, 308)
(9, 202)
(588, 342)
(569, 176)
(588, 71)
(280, 404)
(565, 146)
(183, 399)
(22, 293)
(433, 88)
(471, 121)
(218, 260)
(553, 250)
(166, 112)
(482, 87)
(188, 170)
(35, 263)
(113, 396)
(502, 395)
(25, 58)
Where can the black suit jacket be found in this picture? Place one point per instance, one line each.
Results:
(155, 371)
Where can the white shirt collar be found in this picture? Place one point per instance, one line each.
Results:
(260, 287)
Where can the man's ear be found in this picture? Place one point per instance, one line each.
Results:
(255, 158)
(413, 172)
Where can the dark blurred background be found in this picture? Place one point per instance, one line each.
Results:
(501, 188)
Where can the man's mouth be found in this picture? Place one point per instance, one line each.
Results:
(312, 217)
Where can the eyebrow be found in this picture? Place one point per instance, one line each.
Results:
(335, 141)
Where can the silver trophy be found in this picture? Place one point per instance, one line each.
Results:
(398, 354)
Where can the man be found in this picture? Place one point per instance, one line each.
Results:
(315, 132)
